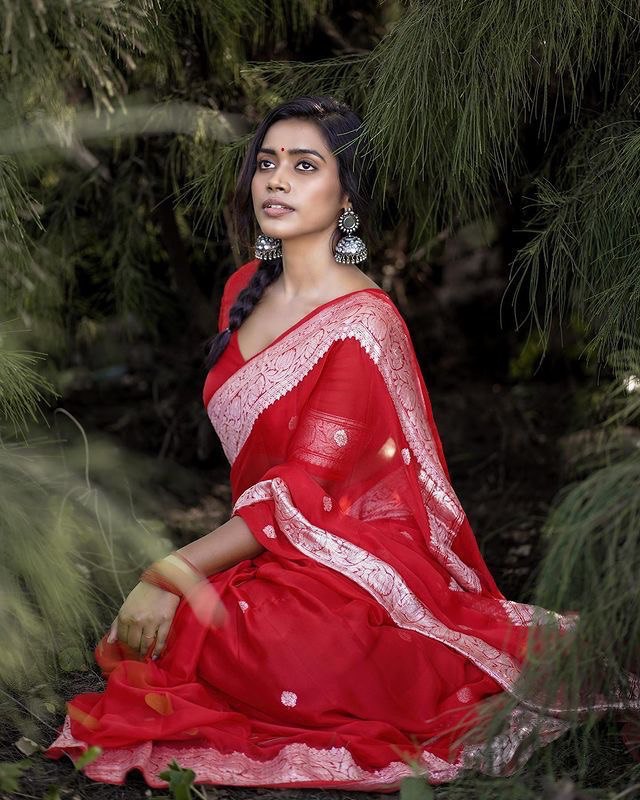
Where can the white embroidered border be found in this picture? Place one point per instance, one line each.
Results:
(374, 322)
(298, 764)
(526, 615)
(295, 764)
(387, 586)
(377, 577)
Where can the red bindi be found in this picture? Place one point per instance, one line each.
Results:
(282, 148)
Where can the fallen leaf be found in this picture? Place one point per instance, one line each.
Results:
(27, 746)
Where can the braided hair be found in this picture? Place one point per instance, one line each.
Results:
(244, 304)
(343, 131)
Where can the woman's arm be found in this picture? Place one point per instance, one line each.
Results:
(146, 615)
(223, 547)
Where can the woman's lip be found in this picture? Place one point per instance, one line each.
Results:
(276, 212)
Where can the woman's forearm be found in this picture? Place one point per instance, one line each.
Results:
(223, 547)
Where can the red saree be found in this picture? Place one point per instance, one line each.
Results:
(358, 644)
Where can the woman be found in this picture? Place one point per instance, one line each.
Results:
(347, 631)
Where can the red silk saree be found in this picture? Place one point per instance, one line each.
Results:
(359, 643)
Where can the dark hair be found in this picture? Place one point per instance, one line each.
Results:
(342, 129)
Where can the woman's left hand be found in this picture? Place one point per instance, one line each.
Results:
(145, 617)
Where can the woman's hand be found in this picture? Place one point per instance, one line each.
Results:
(146, 615)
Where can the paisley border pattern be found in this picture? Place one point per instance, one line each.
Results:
(389, 589)
(376, 324)
(378, 578)
(299, 765)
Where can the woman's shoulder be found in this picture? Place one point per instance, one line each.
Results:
(359, 295)
(240, 277)
(357, 279)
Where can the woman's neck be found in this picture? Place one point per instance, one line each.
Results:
(308, 269)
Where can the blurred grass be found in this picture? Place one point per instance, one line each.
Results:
(72, 543)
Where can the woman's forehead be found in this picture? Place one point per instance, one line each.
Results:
(294, 134)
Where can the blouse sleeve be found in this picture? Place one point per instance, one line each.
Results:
(225, 303)
(232, 288)
(221, 313)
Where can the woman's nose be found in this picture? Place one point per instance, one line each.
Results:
(276, 179)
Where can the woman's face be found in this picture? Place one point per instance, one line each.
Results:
(307, 182)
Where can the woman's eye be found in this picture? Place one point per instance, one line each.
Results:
(308, 163)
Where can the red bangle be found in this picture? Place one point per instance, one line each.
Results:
(152, 576)
(198, 572)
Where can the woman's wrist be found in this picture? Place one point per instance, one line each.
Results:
(181, 557)
(173, 573)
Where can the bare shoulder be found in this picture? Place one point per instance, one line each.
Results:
(359, 280)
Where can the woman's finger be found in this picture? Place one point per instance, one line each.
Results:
(129, 633)
(113, 632)
(134, 635)
(146, 640)
(122, 630)
(161, 638)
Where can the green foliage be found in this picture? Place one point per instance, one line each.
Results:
(582, 258)
(30, 285)
(15, 245)
(88, 757)
(415, 789)
(180, 782)
(101, 179)
(71, 548)
(592, 565)
(213, 167)
(523, 365)
(624, 393)
(91, 40)
(22, 388)
(10, 774)
(112, 110)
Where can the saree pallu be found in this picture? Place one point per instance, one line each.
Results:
(361, 642)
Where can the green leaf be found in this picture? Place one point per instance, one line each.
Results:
(87, 757)
(415, 788)
(180, 780)
(71, 659)
(10, 774)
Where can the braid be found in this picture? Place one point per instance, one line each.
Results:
(244, 304)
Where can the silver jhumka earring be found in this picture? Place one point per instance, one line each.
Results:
(267, 247)
(350, 249)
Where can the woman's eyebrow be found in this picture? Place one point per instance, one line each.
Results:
(295, 150)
